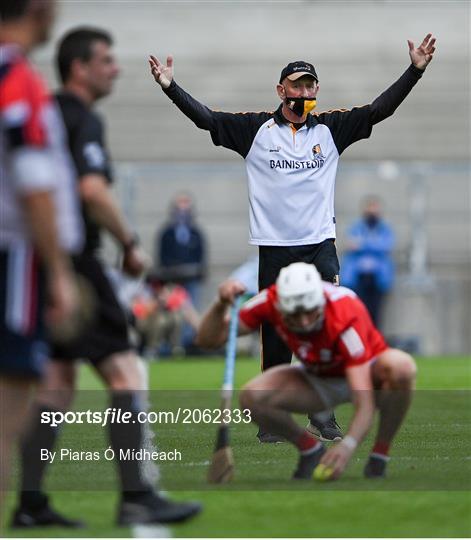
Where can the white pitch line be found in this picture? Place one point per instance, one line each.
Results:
(359, 460)
(151, 531)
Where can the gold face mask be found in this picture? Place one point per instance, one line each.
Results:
(301, 106)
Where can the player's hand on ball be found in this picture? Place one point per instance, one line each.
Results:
(333, 462)
(229, 290)
(163, 74)
(323, 473)
(422, 55)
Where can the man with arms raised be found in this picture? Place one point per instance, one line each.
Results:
(291, 157)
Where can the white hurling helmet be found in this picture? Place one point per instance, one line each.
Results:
(299, 288)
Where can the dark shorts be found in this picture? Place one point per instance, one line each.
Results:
(107, 333)
(23, 347)
(272, 259)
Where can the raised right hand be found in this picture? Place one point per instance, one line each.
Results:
(162, 74)
(422, 55)
(337, 458)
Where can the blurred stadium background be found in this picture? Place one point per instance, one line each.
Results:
(229, 55)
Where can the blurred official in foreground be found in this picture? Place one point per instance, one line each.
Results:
(88, 69)
(39, 218)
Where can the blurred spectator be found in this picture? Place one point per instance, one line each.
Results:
(126, 289)
(180, 255)
(160, 312)
(367, 266)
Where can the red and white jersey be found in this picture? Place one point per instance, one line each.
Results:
(347, 337)
(33, 153)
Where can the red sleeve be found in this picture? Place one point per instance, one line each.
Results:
(256, 310)
(24, 99)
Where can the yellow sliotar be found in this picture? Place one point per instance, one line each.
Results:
(323, 473)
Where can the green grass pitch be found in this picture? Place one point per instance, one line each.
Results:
(426, 494)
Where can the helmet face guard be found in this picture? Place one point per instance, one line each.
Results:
(299, 288)
(302, 322)
(296, 303)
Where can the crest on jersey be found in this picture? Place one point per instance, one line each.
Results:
(317, 151)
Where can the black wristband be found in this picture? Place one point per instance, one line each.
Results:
(416, 71)
(170, 88)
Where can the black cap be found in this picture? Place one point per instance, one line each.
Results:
(295, 70)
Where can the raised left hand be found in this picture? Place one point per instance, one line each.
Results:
(163, 74)
(422, 55)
